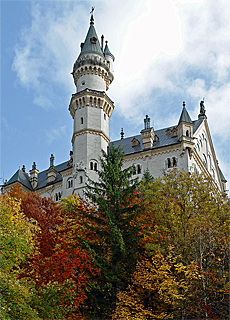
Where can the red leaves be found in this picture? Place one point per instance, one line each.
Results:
(55, 259)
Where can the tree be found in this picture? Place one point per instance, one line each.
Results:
(16, 295)
(187, 214)
(109, 232)
(59, 269)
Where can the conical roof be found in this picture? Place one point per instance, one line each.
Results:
(107, 51)
(222, 177)
(184, 115)
(91, 44)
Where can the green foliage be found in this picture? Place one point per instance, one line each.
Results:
(190, 217)
(15, 244)
(112, 221)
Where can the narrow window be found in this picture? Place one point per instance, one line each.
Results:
(81, 179)
(81, 120)
(169, 163)
(95, 166)
(174, 162)
(104, 116)
(138, 169)
(91, 165)
(187, 133)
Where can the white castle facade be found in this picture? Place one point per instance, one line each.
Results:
(186, 145)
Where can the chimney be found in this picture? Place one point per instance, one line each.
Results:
(147, 134)
(34, 176)
(51, 172)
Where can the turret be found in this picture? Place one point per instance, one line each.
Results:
(185, 126)
(90, 107)
(93, 67)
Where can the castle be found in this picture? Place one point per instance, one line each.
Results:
(187, 145)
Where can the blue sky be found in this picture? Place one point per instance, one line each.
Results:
(166, 52)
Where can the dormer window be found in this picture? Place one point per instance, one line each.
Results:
(168, 131)
(93, 40)
(174, 132)
(135, 142)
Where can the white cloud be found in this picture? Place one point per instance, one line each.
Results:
(168, 48)
(53, 134)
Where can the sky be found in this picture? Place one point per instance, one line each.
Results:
(166, 52)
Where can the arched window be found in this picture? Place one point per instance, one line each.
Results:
(187, 133)
(81, 120)
(91, 165)
(69, 183)
(95, 166)
(174, 162)
(138, 169)
(81, 179)
(169, 163)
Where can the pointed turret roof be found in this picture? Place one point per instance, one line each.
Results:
(222, 177)
(107, 51)
(21, 177)
(184, 115)
(91, 43)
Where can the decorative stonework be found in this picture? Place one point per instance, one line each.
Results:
(95, 99)
(90, 131)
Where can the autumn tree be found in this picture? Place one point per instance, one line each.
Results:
(16, 295)
(59, 269)
(188, 214)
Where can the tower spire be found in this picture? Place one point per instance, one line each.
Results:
(92, 19)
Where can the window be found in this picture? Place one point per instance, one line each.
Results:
(169, 164)
(81, 120)
(69, 183)
(138, 169)
(174, 162)
(187, 133)
(104, 116)
(81, 179)
(93, 165)
(135, 142)
(57, 196)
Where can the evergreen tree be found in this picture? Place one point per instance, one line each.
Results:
(117, 203)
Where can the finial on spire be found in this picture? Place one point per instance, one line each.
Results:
(91, 12)
(184, 104)
(122, 134)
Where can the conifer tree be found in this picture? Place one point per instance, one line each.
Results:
(117, 203)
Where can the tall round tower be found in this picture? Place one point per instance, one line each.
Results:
(90, 107)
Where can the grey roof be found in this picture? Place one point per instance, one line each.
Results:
(89, 46)
(42, 181)
(21, 177)
(24, 178)
(185, 116)
(164, 139)
(222, 177)
(107, 51)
